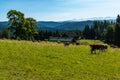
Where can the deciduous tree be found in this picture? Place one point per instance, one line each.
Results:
(21, 27)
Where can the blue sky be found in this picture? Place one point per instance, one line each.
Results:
(60, 10)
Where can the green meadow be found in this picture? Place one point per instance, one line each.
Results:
(26, 60)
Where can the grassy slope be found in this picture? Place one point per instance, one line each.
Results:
(21, 60)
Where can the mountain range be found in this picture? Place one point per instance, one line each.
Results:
(76, 24)
(66, 25)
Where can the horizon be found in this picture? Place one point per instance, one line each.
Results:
(61, 10)
(77, 20)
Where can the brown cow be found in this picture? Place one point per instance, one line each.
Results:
(77, 43)
(95, 47)
(66, 44)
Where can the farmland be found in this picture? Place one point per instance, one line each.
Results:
(26, 60)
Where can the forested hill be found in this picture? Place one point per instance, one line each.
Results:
(78, 25)
(3, 25)
(51, 25)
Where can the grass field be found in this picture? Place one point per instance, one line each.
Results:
(25, 60)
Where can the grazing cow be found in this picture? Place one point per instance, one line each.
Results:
(77, 43)
(95, 47)
(113, 46)
(66, 44)
(58, 42)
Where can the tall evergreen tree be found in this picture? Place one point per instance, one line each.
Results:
(96, 28)
(110, 33)
(86, 32)
(117, 31)
(92, 33)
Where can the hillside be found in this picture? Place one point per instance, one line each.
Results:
(80, 25)
(25, 60)
(67, 25)
(3, 25)
(50, 24)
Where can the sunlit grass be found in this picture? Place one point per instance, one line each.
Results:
(88, 42)
(26, 60)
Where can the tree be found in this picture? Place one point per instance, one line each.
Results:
(110, 33)
(117, 31)
(57, 33)
(86, 32)
(16, 20)
(100, 28)
(96, 29)
(31, 26)
(118, 19)
(4, 33)
(22, 28)
(92, 33)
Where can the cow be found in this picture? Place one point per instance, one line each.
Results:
(77, 43)
(113, 46)
(66, 44)
(101, 47)
(58, 42)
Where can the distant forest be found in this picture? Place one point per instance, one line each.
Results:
(22, 28)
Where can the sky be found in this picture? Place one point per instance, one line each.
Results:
(61, 10)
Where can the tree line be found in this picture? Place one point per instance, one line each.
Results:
(45, 34)
(104, 30)
(26, 29)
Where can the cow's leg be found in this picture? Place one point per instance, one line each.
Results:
(92, 50)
